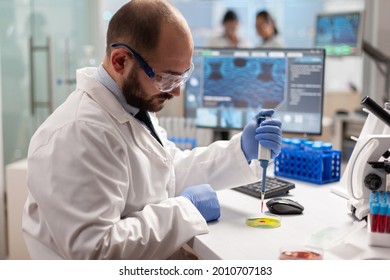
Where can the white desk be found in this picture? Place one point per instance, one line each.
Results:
(231, 238)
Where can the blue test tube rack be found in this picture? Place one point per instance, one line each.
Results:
(311, 161)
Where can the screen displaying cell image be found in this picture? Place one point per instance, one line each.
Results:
(229, 86)
(226, 78)
(340, 34)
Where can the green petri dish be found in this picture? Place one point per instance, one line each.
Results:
(263, 222)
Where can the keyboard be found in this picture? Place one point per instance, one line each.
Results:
(274, 187)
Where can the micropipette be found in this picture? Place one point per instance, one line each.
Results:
(265, 220)
(264, 155)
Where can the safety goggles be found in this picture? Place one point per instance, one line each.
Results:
(162, 81)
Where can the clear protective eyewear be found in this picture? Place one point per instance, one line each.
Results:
(164, 82)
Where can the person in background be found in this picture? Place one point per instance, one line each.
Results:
(267, 30)
(230, 37)
(104, 181)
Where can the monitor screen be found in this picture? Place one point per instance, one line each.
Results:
(340, 34)
(229, 86)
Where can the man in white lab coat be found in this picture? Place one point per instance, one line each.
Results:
(104, 182)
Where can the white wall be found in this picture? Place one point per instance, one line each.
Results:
(362, 70)
(378, 34)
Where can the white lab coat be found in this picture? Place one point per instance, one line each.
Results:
(275, 41)
(223, 42)
(101, 187)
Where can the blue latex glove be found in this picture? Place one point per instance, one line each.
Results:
(269, 135)
(205, 200)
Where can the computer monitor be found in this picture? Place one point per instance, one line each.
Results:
(340, 34)
(229, 86)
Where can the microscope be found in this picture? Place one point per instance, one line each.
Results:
(369, 164)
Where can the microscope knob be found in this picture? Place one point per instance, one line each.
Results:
(373, 182)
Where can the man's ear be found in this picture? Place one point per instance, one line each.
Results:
(119, 59)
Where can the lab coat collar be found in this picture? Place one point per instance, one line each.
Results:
(103, 96)
(103, 77)
(99, 93)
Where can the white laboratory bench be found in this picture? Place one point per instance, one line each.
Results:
(230, 238)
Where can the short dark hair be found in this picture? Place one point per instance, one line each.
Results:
(268, 18)
(138, 24)
(229, 16)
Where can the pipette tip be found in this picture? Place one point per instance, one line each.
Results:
(262, 201)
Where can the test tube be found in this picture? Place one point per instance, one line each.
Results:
(373, 197)
(388, 218)
(382, 223)
(374, 215)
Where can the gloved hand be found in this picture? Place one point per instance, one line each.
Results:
(205, 200)
(269, 135)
